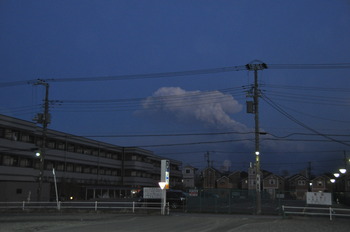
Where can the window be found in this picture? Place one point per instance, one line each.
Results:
(61, 146)
(25, 163)
(9, 161)
(49, 165)
(70, 167)
(102, 154)
(51, 144)
(115, 156)
(301, 182)
(188, 171)
(70, 147)
(2, 132)
(320, 183)
(79, 149)
(78, 168)
(86, 169)
(272, 181)
(8, 134)
(95, 152)
(60, 167)
(87, 151)
(25, 137)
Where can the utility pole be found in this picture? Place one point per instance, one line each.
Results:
(256, 94)
(207, 155)
(345, 161)
(309, 170)
(44, 119)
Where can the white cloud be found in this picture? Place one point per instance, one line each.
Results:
(212, 108)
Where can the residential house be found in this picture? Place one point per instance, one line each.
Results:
(321, 184)
(210, 176)
(273, 184)
(189, 176)
(235, 179)
(224, 182)
(298, 185)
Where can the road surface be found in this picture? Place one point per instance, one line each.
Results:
(82, 222)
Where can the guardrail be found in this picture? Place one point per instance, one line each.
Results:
(86, 205)
(331, 212)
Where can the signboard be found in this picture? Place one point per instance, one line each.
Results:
(193, 192)
(152, 193)
(318, 198)
(165, 172)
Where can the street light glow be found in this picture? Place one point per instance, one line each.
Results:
(336, 175)
(342, 170)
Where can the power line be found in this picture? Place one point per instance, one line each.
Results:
(283, 112)
(178, 73)
(310, 66)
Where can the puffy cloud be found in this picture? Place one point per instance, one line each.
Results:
(212, 108)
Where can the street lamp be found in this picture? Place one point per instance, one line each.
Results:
(336, 175)
(342, 170)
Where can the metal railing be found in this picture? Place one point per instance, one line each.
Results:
(84, 205)
(331, 212)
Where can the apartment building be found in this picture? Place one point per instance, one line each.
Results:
(84, 168)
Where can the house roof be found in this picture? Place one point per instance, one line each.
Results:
(296, 177)
(321, 177)
(223, 177)
(274, 175)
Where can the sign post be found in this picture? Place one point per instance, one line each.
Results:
(164, 181)
(162, 186)
(54, 177)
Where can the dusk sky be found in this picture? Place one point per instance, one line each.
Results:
(118, 72)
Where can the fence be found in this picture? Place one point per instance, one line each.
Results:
(331, 212)
(237, 201)
(243, 201)
(85, 205)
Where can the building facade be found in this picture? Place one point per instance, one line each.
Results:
(189, 176)
(273, 184)
(84, 168)
(321, 184)
(298, 186)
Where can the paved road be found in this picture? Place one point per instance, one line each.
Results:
(174, 222)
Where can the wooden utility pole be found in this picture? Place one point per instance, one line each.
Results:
(256, 95)
(44, 119)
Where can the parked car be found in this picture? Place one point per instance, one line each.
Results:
(175, 198)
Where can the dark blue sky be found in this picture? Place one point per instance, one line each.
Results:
(75, 39)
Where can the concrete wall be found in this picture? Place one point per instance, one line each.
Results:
(22, 191)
